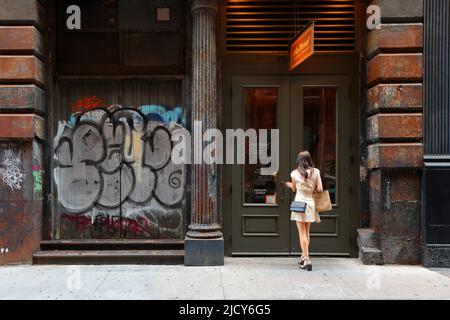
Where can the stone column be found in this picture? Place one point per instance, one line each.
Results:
(22, 128)
(204, 239)
(394, 134)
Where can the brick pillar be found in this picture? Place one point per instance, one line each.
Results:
(394, 129)
(22, 106)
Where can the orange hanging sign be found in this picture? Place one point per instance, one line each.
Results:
(301, 46)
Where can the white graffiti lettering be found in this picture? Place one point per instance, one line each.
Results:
(11, 172)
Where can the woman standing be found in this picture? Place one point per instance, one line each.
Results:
(305, 181)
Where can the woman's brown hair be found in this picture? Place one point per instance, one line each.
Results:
(304, 162)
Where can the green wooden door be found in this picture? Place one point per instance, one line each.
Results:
(310, 113)
(319, 123)
(260, 223)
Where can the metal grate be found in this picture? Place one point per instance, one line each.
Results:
(264, 26)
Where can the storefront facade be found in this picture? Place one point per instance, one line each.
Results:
(88, 114)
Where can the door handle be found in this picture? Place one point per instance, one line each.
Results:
(282, 191)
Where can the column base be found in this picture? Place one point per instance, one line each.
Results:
(203, 252)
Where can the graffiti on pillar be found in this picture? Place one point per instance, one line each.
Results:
(37, 168)
(12, 170)
(113, 171)
(37, 177)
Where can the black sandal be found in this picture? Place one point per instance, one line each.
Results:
(301, 261)
(307, 265)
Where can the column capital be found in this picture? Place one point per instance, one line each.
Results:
(204, 4)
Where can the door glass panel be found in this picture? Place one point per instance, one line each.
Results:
(320, 133)
(260, 113)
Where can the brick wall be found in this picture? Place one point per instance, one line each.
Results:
(22, 108)
(394, 128)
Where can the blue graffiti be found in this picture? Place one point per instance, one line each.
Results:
(158, 113)
(162, 114)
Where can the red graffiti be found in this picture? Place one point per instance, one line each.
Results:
(115, 223)
(88, 103)
(109, 223)
(80, 221)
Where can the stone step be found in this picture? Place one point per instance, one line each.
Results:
(112, 244)
(370, 255)
(109, 257)
(367, 238)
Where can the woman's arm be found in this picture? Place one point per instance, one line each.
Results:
(290, 185)
(319, 186)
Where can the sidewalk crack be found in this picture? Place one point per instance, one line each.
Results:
(101, 282)
(221, 282)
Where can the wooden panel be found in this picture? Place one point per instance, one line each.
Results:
(140, 49)
(93, 50)
(263, 225)
(141, 14)
(329, 227)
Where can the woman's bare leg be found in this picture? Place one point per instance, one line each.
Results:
(301, 226)
(299, 229)
(308, 227)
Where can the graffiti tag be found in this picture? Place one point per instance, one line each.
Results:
(37, 175)
(11, 172)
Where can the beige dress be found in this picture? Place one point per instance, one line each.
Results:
(305, 190)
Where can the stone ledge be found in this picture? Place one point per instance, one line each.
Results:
(394, 155)
(395, 67)
(394, 126)
(395, 98)
(23, 69)
(18, 98)
(22, 12)
(21, 39)
(21, 126)
(398, 11)
(395, 37)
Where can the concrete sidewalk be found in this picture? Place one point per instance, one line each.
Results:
(240, 278)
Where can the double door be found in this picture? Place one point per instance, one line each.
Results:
(311, 113)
